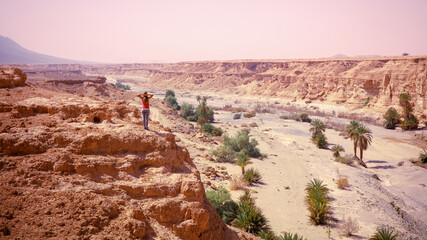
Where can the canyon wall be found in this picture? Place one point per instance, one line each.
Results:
(347, 81)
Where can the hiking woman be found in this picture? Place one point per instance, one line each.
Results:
(145, 108)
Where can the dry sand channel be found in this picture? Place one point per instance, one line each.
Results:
(396, 200)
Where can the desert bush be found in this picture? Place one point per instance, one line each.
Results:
(237, 183)
(367, 101)
(244, 125)
(391, 118)
(290, 236)
(250, 219)
(242, 142)
(423, 156)
(317, 201)
(253, 124)
(347, 159)
(252, 176)
(120, 85)
(342, 182)
(170, 98)
(349, 227)
(410, 123)
(187, 110)
(304, 117)
(316, 127)
(384, 234)
(209, 128)
(237, 116)
(247, 198)
(249, 114)
(320, 140)
(225, 153)
(224, 206)
(337, 149)
(169, 93)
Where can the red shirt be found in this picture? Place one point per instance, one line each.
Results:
(146, 105)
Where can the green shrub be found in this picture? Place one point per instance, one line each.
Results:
(217, 131)
(304, 117)
(120, 85)
(242, 142)
(423, 156)
(169, 93)
(411, 123)
(320, 140)
(209, 128)
(391, 118)
(267, 235)
(247, 198)
(290, 236)
(384, 234)
(250, 219)
(337, 149)
(317, 201)
(225, 153)
(224, 206)
(187, 110)
(252, 176)
(172, 101)
(367, 101)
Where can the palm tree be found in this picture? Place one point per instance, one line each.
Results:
(404, 101)
(337, 149)
(350, 131)
(317, 126)
(242, 161)
(363, 138)
(391, 118)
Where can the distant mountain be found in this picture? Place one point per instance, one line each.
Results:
(339, 56)
(13, 53)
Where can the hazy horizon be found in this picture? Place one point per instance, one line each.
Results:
(173, 31)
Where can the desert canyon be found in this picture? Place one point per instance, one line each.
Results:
(76, 163)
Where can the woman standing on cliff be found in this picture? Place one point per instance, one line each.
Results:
(145, 108)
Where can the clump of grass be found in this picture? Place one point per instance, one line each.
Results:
(384, 234)
(237, 183)
(342, 182)
(252, 176)
(423, 156)
(290, 236)
(349, 227)
(317, 201)
(209, 128)
(225, 153)
(249, 114)
(347, 159)
(253, 124)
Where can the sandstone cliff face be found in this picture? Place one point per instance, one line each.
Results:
(84, 168)
(12, 77)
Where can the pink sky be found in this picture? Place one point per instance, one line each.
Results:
(179, 30)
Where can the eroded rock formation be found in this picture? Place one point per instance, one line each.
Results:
(74, 167)
(12, 77)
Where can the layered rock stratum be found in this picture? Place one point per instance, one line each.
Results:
(82, 167)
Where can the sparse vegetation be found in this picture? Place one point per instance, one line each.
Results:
(202, 114)
(423, 156)
(391, 119)
(384, 234)
(210, 129)
(249, 114)
(224, 206)
(320, 140)
(250, 218)
(347, 159)
(225, 153)
(187, 111)
(123, 86)
(242, 142)
(252, 176)
(290, 236)
(242, 161)
(317, 201)
(237, 183)
(337, 149)
(349, 227)
(410, 122)
(317, 128)
(304, 118)
(367, 101)
(171, 99)
(342, 182)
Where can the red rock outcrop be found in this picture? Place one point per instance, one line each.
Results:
(12, 77)
(73, 168)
